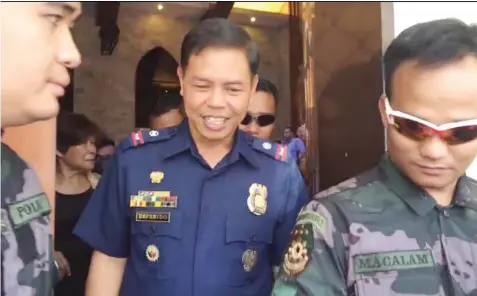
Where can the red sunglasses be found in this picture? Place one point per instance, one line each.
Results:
(418, 129)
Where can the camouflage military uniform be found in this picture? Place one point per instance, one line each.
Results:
(27, 268)
(378, 234)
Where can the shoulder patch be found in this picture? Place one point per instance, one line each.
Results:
(144, 137)
(274, 150)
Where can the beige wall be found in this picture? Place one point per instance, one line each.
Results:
(104, 85)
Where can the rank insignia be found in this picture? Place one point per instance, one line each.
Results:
(257, 199)
(281, 153)
(153, 199)
(156, 177)
(249, 259)
(299, 250)
(152, 253)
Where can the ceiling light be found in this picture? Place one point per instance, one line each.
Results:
(160, 7)
(253, 19)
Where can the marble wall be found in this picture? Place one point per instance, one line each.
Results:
(347, 50)
(104, 85)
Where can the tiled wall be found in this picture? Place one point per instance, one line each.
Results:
(347, 49)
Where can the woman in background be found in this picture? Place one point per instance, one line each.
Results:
(75, 182)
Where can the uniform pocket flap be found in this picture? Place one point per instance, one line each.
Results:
(249, 229)
(156, 223)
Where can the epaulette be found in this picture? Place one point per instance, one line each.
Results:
(274, 150)
(144, 137)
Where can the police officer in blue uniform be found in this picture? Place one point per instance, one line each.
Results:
(201, 208)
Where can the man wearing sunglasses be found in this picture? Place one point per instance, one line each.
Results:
(409, 226)
(260, 118)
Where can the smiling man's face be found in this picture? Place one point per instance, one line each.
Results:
(217, 87)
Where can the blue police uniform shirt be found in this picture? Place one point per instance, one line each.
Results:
(188, 229)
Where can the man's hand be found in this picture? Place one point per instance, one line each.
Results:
(63, 265)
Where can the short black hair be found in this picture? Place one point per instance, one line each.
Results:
(219, 32)
(166, 102)
(74, 129)
(104, 141)
(268, 87)
(433, 43)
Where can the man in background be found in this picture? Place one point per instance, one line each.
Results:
(105, 149)
(167, 111)
(295, 145)
(37, 50)
(260, 118)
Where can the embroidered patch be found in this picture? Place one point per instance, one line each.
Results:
(29, 209)
(399, 260)
(314, 218)
(299, 250)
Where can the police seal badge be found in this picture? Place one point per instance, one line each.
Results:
(299, 250)
(249, 259)
(152, 253)
(257, 199)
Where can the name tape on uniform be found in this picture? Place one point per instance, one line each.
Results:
(27, 210)
(153, 217)
(398, 260)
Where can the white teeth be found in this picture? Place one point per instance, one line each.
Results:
(215, 120)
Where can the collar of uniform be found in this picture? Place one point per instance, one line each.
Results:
(465, 193)
(179, 143)
(182, 141)
(243, 147)
(409, 192)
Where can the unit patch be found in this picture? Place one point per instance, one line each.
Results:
(299, 250)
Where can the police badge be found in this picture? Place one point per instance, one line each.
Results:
(257, 199)
(249, 259)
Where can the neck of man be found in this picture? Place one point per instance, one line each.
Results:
(211, 151)
(443, 196)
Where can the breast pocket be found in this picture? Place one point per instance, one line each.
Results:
(248, 240)
(397, 284)
(155, 246)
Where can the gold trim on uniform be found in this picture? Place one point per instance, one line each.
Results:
(156, 177)
(249, 259)
(257, 199)
(152, 253)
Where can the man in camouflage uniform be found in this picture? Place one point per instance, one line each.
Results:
(36, 50)
(408, 226)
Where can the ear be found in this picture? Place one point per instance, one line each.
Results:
(59, 154)
(180, 74)
(382, 111)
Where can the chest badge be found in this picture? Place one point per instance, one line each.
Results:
(249, 259)
(257, 199)
(152, 253)
(156, 177)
